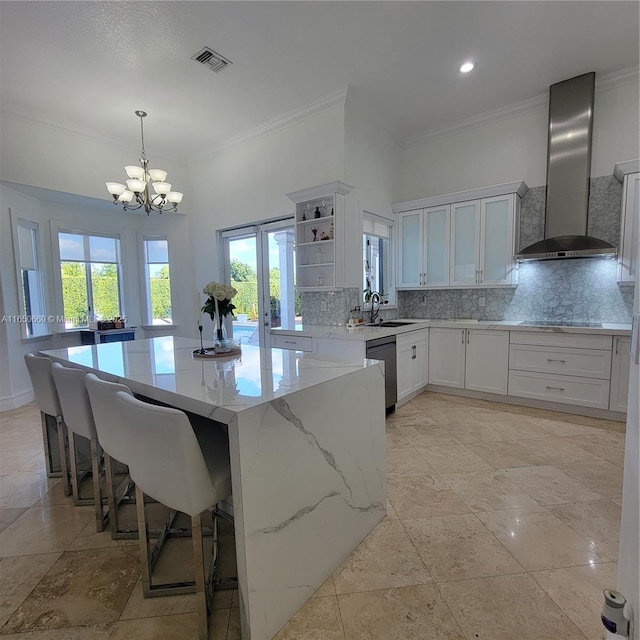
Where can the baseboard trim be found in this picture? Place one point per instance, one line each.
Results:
(17, 400)
(531, 402)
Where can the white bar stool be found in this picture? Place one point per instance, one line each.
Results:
(114, 447)
(167, 462)
(78, 417)
(54, 437)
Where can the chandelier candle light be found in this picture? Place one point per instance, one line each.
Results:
(138, 185)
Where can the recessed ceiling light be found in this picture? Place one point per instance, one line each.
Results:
(467, 66)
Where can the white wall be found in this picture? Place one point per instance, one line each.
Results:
(248, 182)
(514, 148)
(82, 213)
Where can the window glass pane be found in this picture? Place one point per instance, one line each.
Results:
(74, 294)
(106, 294)
(102, 249)
(160, 293)
(71, 246)
(27, 247)
(157, 251)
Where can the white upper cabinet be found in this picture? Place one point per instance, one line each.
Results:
(460, 243)
(424, 241)
(498, 218)
(465, 235)
(628, 250)
(410, 258)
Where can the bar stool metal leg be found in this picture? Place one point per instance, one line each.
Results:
(202, 593)
(52, 462)
(62, 447)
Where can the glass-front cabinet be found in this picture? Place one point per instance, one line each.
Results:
(319, 232)
(460, 243)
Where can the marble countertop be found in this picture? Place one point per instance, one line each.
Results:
(369, 333)
(161, 368)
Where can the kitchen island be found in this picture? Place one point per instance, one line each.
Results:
(306, 441)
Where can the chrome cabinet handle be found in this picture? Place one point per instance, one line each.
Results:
(617, 345)
(552, 360)
(463, 335)
(556, 388)
(468, 336)
(289, 342)
(413, 357)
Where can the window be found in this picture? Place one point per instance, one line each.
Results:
(376, 255)
(30, 282)
(157, 279)
(90, 274)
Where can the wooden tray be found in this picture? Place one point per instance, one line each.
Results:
(212, 353)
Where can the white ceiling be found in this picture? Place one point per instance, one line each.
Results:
(89, 65)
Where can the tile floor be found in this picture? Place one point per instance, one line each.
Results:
(502, 524)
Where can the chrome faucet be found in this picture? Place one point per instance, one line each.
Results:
(374, 297)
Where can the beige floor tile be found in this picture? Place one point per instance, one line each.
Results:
(488, 491)
(395, 440)
(391, 512)
(538, 540)
(89, 538)
(406, 462)
(20, 575)
(607, 445)
(171, 627)
(506, 454)
(562, 428)
(13, 460)
(327, 588)
(423, 496)
(140, 607)
(90, 632)
(598, 522)
(578, 592)
(427, 436)
(548, 485)
(467, 433)
(318, 618)
(556, 450)
(510, 607)
(417, 418)
(453, 458)
(385, 559)
(233, 632)
(458, 548)
(8, 516)
(600, 475)
(82, 587)
(44, 530)
(513, 427)
(55, 497)
(618, 502)
(410, 613)
(24, 489)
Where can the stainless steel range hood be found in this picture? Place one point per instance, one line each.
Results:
(568, 172)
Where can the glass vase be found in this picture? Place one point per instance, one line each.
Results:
(220, 333)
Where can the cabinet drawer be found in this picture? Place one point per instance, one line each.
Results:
(586, 392)
(411, 338)
(551, 339)
(297, 343)
(590, 363)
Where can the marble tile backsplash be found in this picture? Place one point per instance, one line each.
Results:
(583, 290)
(578, 290)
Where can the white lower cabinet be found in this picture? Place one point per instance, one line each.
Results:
(412, 352)
(447, 348)
(556, 367)
(473, 359)
(295, 343)
(620, 374)
(487, 361)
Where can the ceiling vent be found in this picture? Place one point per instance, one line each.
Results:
(209, 58)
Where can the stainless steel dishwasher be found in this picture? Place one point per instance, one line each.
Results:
(385, 349)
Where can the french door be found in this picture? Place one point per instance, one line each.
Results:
(259, 261)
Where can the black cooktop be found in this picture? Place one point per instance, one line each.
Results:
(561, 323)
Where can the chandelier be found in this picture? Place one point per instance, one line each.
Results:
(137, 187)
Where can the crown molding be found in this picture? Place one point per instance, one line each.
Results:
(603, 83)
(282, 121)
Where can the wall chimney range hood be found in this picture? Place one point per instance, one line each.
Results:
(568, 173)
